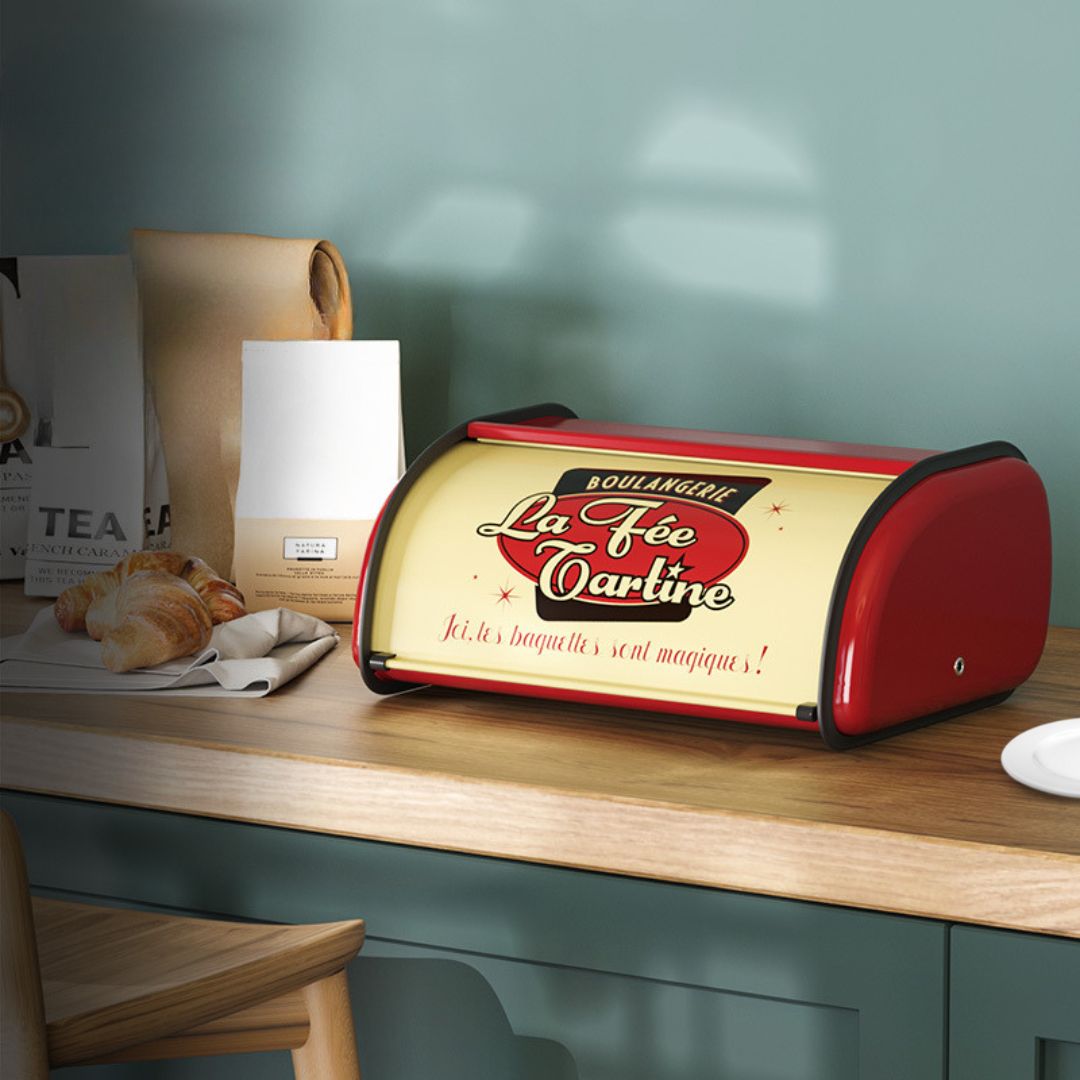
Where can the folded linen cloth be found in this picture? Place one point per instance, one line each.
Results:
(250, 656)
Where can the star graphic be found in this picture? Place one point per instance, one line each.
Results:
(677, 568)
(776, 509)
(504, 595)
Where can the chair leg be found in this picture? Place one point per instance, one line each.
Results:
(330, 1051)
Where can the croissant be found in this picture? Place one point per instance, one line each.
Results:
(151, 617)
(223, 600)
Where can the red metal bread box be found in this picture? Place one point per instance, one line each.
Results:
(859, 590)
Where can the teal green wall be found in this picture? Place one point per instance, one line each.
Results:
(829, 218)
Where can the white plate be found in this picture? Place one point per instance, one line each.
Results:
(1047, 758)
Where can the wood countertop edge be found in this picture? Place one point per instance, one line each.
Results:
(902, 873)
(34, 724)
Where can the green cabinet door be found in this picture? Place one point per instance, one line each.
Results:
(478, 967)
(1015, 1006)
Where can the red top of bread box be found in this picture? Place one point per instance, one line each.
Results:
(707, 445)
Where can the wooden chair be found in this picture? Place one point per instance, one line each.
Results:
(97, 984)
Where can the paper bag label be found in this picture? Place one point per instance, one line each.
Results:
(69, 539)
(310, 548)
(309, 566)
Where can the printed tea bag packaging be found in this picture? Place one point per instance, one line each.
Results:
(96, 493)
(18, 421)
(321, 449)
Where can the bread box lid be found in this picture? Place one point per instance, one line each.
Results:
(858, 590)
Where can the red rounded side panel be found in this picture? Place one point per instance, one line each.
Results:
(956, 577)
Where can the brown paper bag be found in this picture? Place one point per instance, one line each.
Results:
(202, 295)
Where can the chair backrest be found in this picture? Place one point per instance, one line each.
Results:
(24, 1050)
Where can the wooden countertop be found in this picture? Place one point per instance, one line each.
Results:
(925, 823)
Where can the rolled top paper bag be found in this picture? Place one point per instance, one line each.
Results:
(201, 295)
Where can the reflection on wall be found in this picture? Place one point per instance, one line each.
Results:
(772, 258)
(705, 141)
(727, 208)
(468, 234)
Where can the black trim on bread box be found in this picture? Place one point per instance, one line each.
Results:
(388, 685)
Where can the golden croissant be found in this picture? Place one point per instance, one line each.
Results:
(223, 600)
(151, 617)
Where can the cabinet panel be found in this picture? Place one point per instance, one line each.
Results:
(593, 975)
(1015, 1006)
(1060, 1060)
(555, 1023)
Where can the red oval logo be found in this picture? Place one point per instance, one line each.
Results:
(614, 541)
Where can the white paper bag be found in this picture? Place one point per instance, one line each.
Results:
(75, 327)
(321, 449)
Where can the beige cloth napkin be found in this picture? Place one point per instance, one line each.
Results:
(250, 656)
